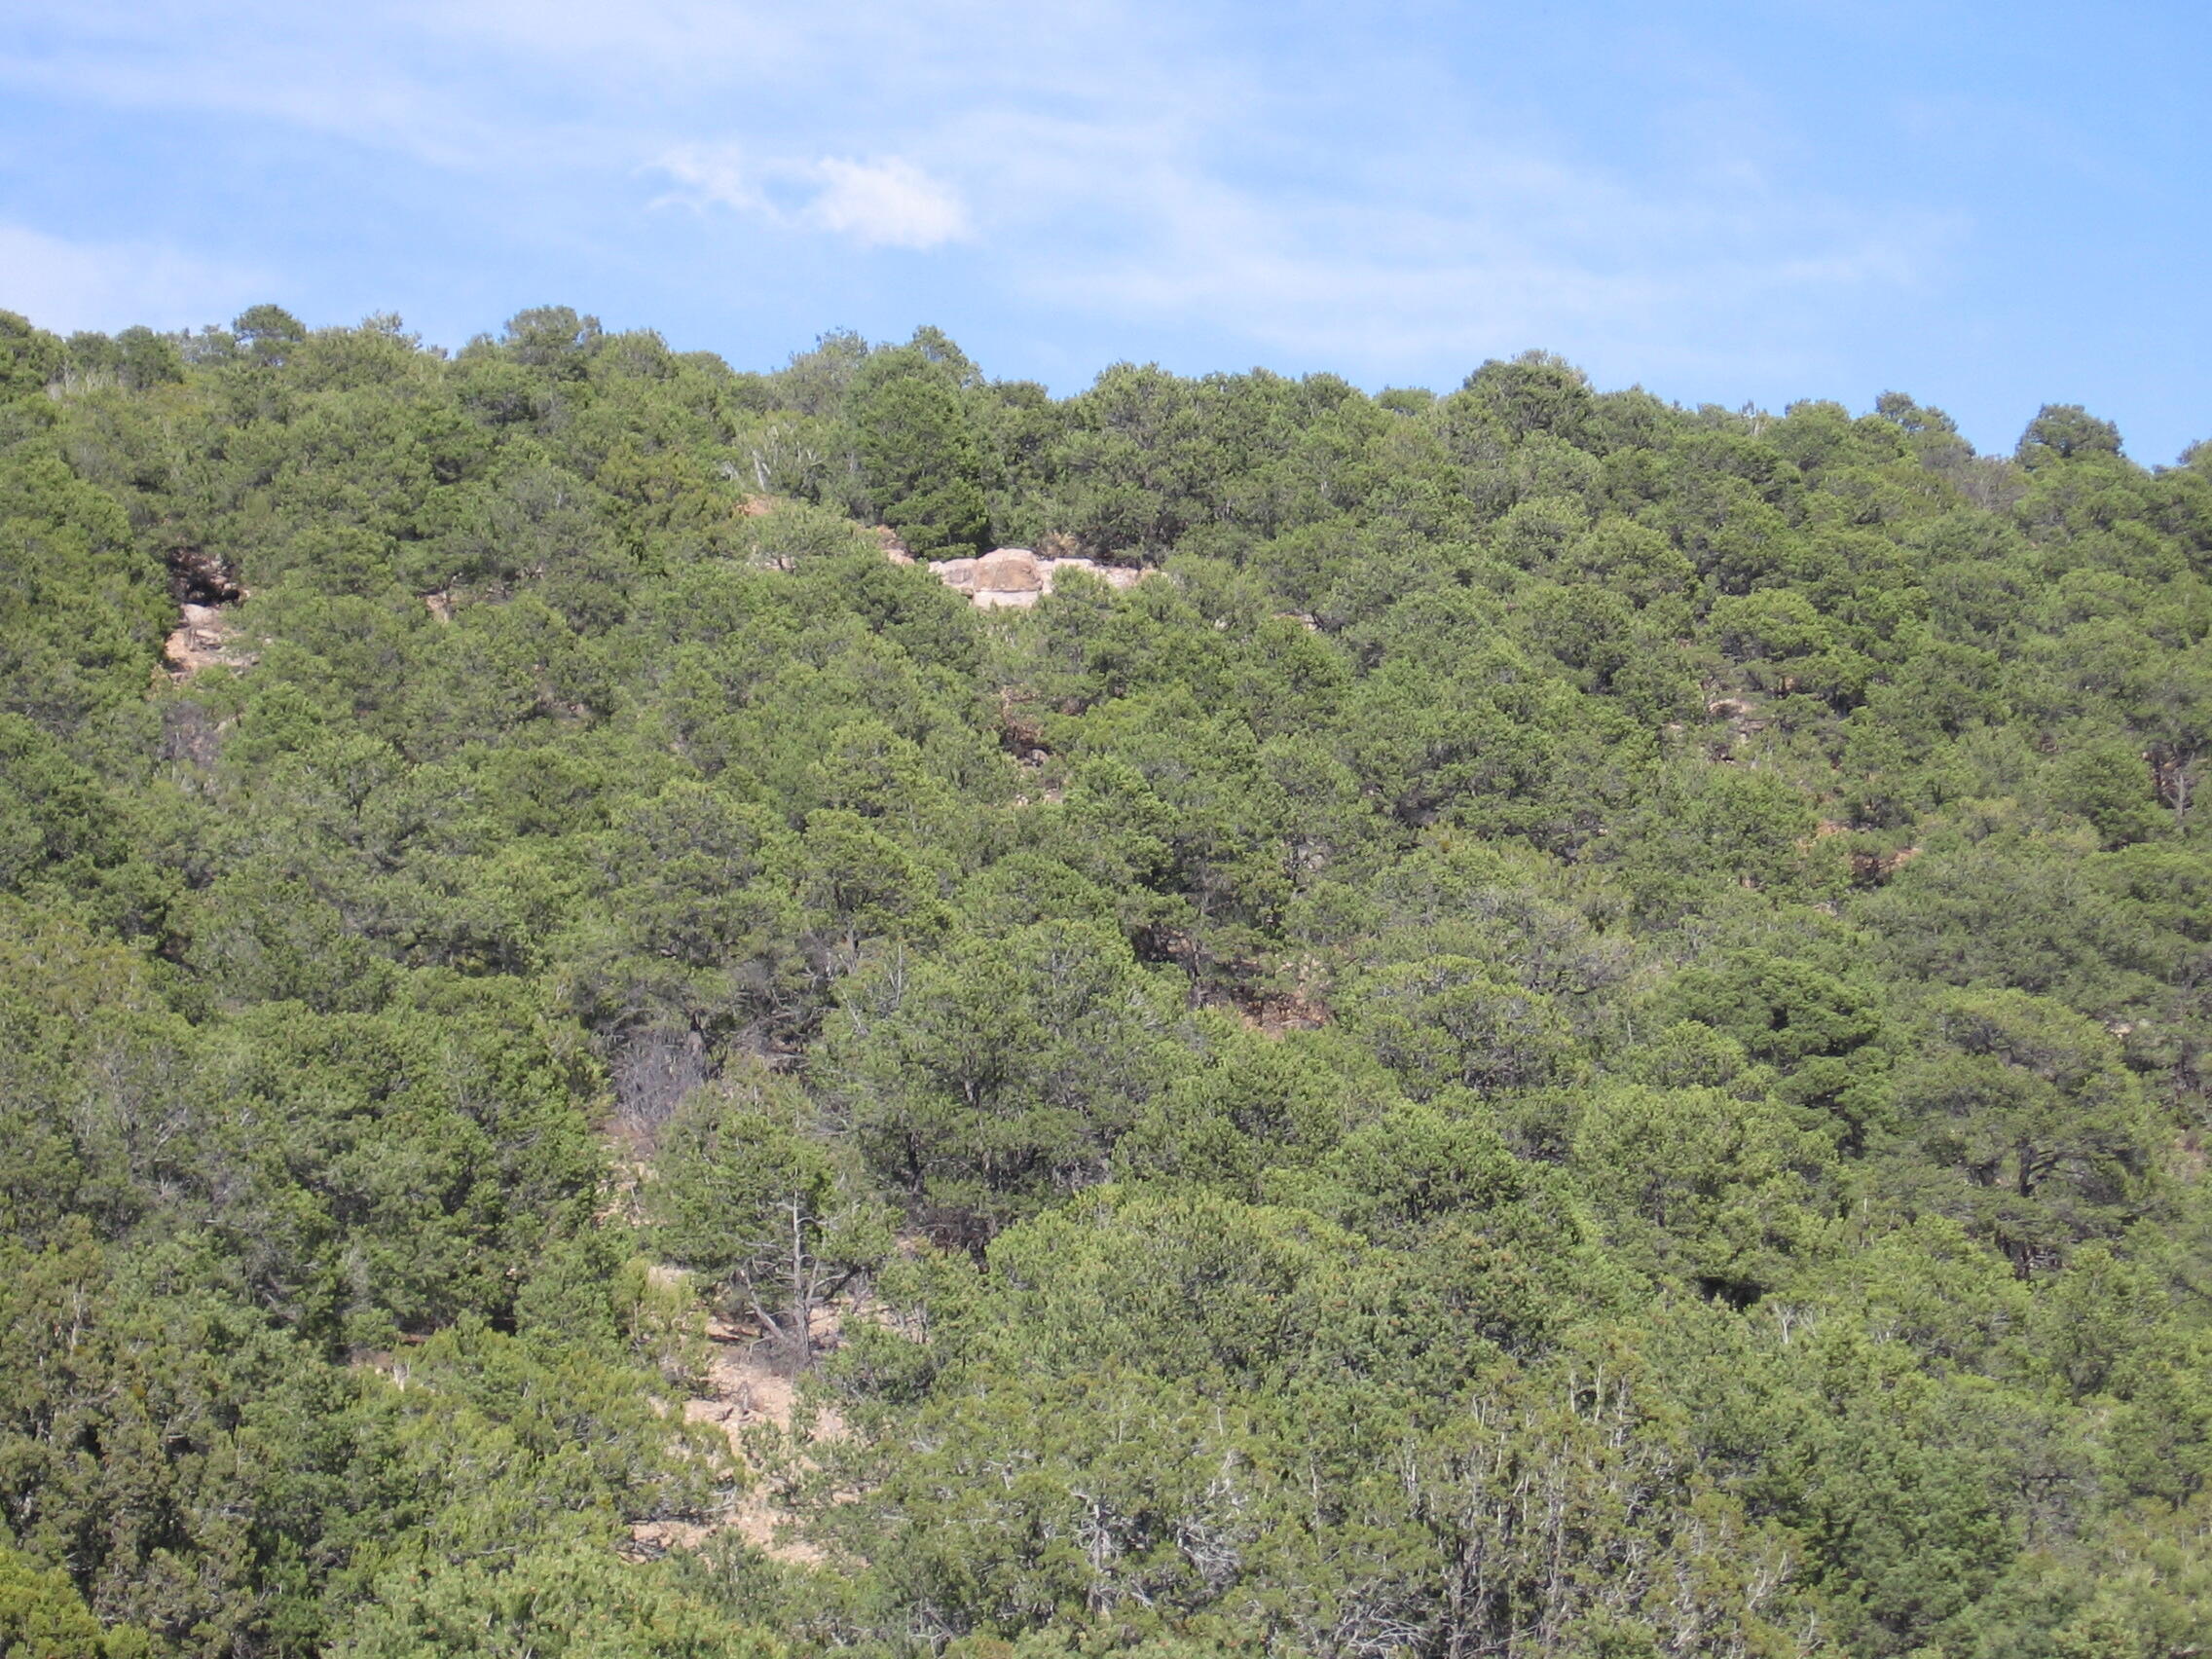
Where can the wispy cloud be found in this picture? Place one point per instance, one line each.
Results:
(1459, 249)
(1105, 163)
(885, 203)
(713, 175)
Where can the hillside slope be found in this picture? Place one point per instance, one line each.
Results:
(1580, 1029)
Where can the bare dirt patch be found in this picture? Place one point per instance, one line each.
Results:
(746, 1389)
(203, 638)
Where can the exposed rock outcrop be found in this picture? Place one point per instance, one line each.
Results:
(205, 637)
(1017, 577)
(203, 586)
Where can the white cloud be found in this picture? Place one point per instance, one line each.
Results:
(1334, 194)
(68, 285)
(713, 174)
(889, 202)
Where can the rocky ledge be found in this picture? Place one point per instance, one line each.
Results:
(1015, 577)
(205, 637)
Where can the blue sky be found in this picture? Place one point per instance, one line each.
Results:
(1988, 206)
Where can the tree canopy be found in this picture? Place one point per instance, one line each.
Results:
(1579, 1028)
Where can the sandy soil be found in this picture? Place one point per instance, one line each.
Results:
(744, 1390)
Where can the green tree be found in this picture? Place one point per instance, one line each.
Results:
(41, 1618)
(999, 1074)
(918, 455)
(2062, 432)
(575, 1600)
(2042, 1136)
(749, 1192)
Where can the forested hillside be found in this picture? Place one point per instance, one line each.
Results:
(1580, 1030)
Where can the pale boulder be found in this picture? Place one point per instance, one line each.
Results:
(1008, 569)
(205, 637)
(1113, 575)
(1014, 578)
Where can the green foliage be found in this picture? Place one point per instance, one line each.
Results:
(1582, 1028)
(752, 1194)
(919, 458)
(576, 1602)
(2029, 1111)
(1002, 1074)
(41, 1618)
(31, 356)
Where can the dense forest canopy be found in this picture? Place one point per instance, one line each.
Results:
(1581, 1029)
